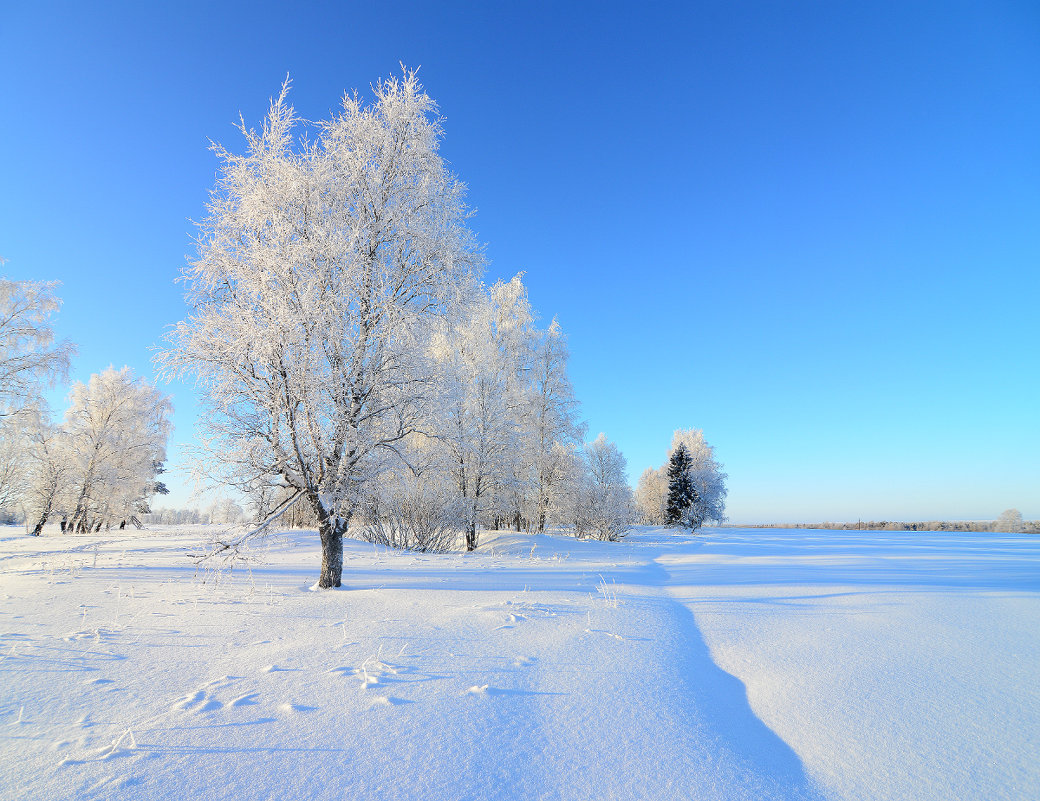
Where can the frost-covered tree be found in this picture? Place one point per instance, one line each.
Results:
(551, 425)
(15, 431)
(29, 357)
(651, 496)
(1010, 520)
(602, 501)
(117, 428)
(174, 517)
(416, 510)
(48, 475)
(481, 362)
(321, 266)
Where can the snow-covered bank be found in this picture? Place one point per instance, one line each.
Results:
(733, 664)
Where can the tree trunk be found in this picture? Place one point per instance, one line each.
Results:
(331, 556)
(471, 537)
(38, 528)
(331, 533)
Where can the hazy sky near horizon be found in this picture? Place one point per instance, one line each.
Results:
(810, 229)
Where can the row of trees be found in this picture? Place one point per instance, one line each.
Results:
(222, 511)
(352, 362)
(350, 357)
(100, 465)
(495, 442)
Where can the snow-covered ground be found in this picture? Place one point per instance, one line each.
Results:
(735, 664)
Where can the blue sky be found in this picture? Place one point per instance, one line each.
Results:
(810, 229)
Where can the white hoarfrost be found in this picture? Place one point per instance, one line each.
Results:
(116, 428)
(29, 358)
(602, 505)
(481, 363)
(29, 361)
(99, 467)
(322, 265)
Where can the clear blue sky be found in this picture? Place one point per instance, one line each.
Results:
(810, 229)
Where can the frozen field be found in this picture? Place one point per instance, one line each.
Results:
(735, 664)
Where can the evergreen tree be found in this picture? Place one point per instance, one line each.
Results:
(683, 500)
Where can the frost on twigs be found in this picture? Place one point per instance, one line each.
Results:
(416, 516)
(30, 360)
(325, 259)
(230, 546)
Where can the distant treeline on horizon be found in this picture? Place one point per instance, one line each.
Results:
(1028, 526)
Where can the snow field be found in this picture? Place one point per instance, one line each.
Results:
(896, 665)
(730, 665)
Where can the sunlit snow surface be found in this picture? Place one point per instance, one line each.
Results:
(735, 664)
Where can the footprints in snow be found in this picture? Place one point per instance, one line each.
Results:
(201, 701)
(293, 708)
(375, 673)
(204, 699)
(248, 699)
(208, 698)
(211, 702)
(386, 700)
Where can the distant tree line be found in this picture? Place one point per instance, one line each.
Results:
(221, 511)
(1010, 521)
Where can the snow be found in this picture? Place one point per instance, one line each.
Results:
(730, 664)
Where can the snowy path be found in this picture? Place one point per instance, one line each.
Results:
(537, 668)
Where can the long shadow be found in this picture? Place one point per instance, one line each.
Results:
(767, 764)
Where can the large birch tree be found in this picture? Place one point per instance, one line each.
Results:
(321, 264)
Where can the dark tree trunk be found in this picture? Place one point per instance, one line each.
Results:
(38, 528)
(331, 534)
(471, 537)
(331, 556)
